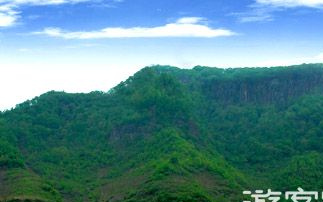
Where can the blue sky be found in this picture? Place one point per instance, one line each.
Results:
(85, 45)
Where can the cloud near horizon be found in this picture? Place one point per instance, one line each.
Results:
(183, 27)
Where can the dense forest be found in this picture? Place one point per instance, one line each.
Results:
(168, 135)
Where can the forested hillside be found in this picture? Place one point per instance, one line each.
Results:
(168, 135)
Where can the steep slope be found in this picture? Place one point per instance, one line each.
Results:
(168, 134)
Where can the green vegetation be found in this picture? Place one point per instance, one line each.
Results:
(168, 135)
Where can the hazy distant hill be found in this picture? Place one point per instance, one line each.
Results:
(168, 135)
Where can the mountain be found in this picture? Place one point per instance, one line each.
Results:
(168, 135)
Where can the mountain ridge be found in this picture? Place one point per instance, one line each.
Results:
(167, 134)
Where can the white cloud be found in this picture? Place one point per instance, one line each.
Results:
(183, 27)
(256, 14)
(292, 3)
(7, 19)
(9, 9)
(262, 10)
(7, 15)
(190, 20)
(39, 2)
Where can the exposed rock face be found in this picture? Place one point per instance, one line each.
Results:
(273, 87)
